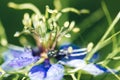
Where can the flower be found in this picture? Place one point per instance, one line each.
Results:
(19, 58)
(75, 59)
(95, 69)
(46, 71)
(70, 55)
(77, 53)
(76, 56)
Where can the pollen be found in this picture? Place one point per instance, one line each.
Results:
(90, 46)
(75, 30)
(70, 50)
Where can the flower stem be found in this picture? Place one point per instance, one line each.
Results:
(111, 26)
(2, 72)
(98, 46)
(16, 77)
(109, 20)
(110, 56)
(112, 72)
(79, 75)
(25, 6)
(73, 76)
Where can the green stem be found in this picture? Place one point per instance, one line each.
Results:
(2, 71)
(109, 19)
(74, 10)
(23, 78)
(25, 6)
(97, 47)
(17, 77)
(111, 26)
(110, 56)
(79, 75)
(73, 77)
(112, 72)
(3, 39)
(46, 12)
(107, 14)
(104, 43)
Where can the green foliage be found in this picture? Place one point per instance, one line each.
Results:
(98, 25)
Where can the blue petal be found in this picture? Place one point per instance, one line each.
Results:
(44, 66)
(55, 72)
(5, 66)
(77, 63)
(37, 76)
(16, 51)
(23, 60)
(94, 58)
(77, 55)
(94, 69)
(12, 52)
(66, 46)
(39, 72)
(101, 68)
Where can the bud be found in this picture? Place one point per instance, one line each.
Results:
(66, 24)
(26, 20)
(75, 30)
(17, 34)
(90, 46)
(67, 35)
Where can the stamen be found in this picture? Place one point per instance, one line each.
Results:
(66, 24)
(79, 50)
(78, 54)
(76, 29)
(70, 50)
(90, 46)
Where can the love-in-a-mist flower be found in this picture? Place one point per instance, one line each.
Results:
(16, 59)
(75, 59)
(46, 33)
(46, 71)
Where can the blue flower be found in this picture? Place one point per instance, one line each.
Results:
(20, 57)
(17, 58)
(77, 53)
(94, 69)
(46, 71)
(75, 59)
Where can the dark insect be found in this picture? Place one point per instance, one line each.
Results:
(59, 54)
(62, 53)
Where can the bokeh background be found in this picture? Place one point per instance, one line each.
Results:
(92, 26)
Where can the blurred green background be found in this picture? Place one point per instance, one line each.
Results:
(92, 26)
